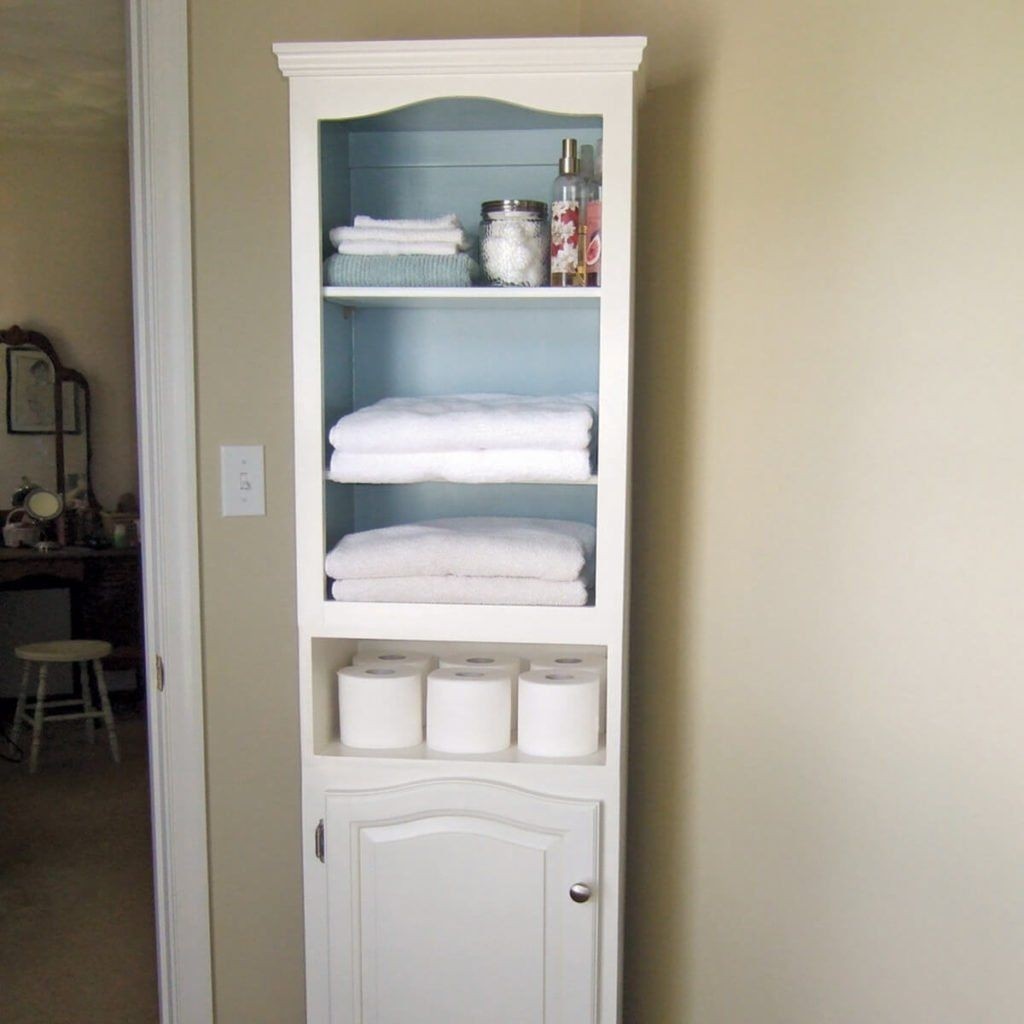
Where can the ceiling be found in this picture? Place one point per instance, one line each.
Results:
(62, 68)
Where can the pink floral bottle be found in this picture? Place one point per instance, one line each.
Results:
(567, 213)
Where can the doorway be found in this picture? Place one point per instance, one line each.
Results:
(77, 932)
(160, 733)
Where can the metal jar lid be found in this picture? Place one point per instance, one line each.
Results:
(530, 206)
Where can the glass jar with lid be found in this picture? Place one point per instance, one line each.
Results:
(515, 242)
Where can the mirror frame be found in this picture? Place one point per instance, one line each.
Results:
(16, 337)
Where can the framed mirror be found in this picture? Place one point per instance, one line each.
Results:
(45, 425)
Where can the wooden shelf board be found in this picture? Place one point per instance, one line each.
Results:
(514, 624)
(463, 298)
(422, 752)
(591, 481)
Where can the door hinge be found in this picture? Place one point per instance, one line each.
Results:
(318, 841)
(160, 681)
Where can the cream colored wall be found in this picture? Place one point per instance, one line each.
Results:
(243, 347)
(65, 271)
(826, 811)
(828, 725)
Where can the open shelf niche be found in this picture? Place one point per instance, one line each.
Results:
(329, 655)
(424, 160)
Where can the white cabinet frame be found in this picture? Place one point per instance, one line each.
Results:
(578, 77)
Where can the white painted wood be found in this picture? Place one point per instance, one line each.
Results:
(107, 714)
(482, 623)
(552, 55)
(36, 714)
(510, 755)
(461, 298)
(591, 481)
(38, 718)
(63, 651)
(581, 77)
(164, 367)
(449, 901)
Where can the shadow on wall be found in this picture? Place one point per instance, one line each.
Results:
(663, 445)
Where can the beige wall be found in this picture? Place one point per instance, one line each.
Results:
(65, 271)
(827, 712)
(829, 788)
(243, 343)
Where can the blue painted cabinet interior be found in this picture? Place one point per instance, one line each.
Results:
(432, 158)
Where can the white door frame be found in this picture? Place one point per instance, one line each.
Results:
(165, 399)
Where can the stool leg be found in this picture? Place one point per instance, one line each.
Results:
(90, 723)
(108, 715)
(19, 711)
(37, 722)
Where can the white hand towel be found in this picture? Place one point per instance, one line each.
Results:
(448, 220)
(548, 549)
(522, 465)
(462, 590)
(398, 248)
(453, 236)
(448, 423)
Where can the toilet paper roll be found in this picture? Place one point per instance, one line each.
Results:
(559, 713)
(469, 710)
(380, 706)
(568, 661)
(490, 660)
(423, 663)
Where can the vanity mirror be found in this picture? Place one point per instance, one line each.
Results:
(44, 429)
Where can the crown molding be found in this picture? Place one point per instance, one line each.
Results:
(557, 55)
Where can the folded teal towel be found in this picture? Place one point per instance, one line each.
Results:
(406, 271)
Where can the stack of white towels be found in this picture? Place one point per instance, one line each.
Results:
(480, 438)
(368, 236)
(471, 560)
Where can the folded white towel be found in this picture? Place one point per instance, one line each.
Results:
(448, 220)
(452, 236)
(523, 465)
(450, 423)
(462, 590)
(549, 549)
(398, 248)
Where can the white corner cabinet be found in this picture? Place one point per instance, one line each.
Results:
(446, 889)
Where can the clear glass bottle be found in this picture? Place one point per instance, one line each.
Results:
(568, 207)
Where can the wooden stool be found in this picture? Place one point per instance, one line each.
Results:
(36, 712)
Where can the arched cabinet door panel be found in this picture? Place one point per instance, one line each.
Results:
(450, 902)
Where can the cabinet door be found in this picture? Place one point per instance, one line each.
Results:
(448, 903)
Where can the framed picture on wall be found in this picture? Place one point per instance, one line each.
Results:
(30, 395)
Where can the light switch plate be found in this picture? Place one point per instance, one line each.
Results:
(241, 480)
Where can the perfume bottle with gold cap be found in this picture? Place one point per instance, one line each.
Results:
(567, 212)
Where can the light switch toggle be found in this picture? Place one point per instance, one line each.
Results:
(241, 480)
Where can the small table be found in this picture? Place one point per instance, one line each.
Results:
(105, 589)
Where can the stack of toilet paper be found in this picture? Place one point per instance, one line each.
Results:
(469, 702)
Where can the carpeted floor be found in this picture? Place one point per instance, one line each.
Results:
(77, 942)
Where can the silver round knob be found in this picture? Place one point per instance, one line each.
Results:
(579, 893)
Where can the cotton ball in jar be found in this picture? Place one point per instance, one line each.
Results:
(514, 242)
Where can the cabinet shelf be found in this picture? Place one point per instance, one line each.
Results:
(464, 298)
(591, 481)
(511, 624)
(421, 752)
